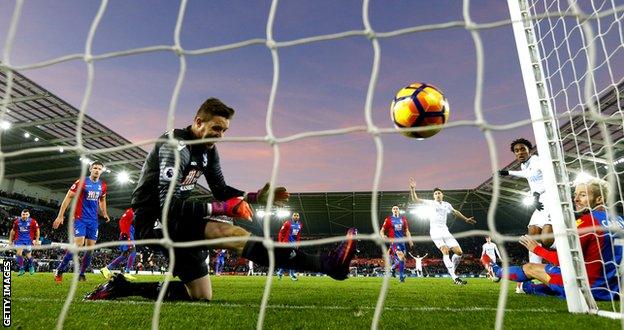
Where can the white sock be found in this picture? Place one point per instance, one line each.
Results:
(534, 258)
(456, 258)
(449, 266)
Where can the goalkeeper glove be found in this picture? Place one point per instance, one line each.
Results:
(234, 207)
(503, 172)
(260, 197)
(536, 203)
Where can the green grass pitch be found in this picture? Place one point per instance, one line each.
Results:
(310, 303)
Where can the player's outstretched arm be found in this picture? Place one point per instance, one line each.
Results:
(412, 186)
(426, 254)
(470, 220)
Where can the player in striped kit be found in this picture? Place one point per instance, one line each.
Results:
(92, 199)
(397, 227)
(25, 232)
(290, 232)
(491, 250)
(440, 234)
(601, 255)
(220, 262)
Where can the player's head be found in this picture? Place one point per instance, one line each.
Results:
(395, 210)
(521, 148)
(438, 195)
(488, 239)
(96, 168)
(25, 214)
(591, 194)
(295, 216)
(212, 120)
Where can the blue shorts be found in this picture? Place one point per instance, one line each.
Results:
(130, 245)
(397, 247)
(86, 229)
(553, 288)
(27, 245)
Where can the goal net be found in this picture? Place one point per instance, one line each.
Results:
(571, 54)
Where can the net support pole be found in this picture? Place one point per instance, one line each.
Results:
(557, 199)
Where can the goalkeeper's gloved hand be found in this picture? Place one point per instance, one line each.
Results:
(260, 197)
(536, 202)
(503, 173)
(234, 207)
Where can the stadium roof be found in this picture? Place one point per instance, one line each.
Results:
(41, 119)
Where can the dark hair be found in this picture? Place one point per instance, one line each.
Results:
(214, 107)
(524, 141)
(437, 189)
(25, 210)
(97, 162)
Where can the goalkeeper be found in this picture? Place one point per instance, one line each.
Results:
(600, 254)
(188, 220)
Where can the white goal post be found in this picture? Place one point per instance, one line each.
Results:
(534, 57)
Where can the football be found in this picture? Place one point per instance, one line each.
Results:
(420, 105)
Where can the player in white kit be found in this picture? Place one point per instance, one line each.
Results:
(419, 259)
(531, 169)
(442, 238)
(491, 250)
(250, 270)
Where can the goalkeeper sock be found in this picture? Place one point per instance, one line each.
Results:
(285, 257)
(449, 266)
(150, 290)
(516, 273)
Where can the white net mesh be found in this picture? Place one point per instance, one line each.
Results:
(582, 52)
(567, 46)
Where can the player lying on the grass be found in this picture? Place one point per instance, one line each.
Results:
(288, 233)
(600, 254)
(188, 220)
(492, 252)
(127, 251)
(396, 226)
(92, 199)
(440, 234)
(25, 233)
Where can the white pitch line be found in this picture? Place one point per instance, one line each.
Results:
(301, 307)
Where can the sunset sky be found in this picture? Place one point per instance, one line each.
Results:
(322, 85)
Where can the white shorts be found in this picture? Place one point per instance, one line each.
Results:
(419, 268)
(540, 219)
(442, 237)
